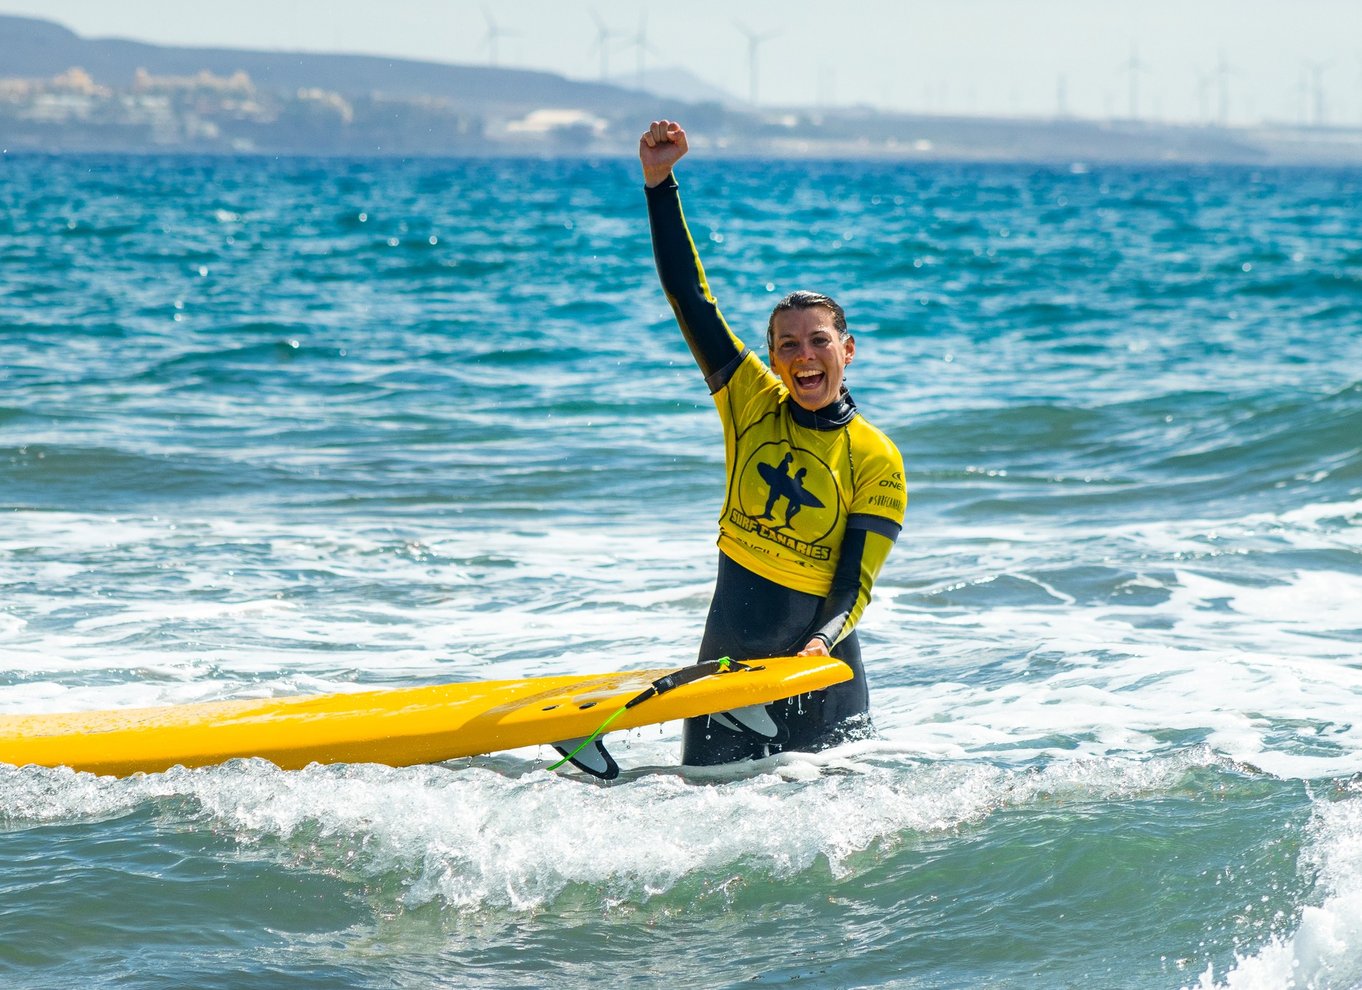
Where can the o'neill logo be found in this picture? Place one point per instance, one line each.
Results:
(787, 495)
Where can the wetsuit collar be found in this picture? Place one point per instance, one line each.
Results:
(836, 414)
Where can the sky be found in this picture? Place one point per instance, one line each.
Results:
(1191, 61)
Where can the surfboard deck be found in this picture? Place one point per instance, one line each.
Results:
(395, 726)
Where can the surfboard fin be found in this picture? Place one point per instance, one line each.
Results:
(755, 722)
(589, 756)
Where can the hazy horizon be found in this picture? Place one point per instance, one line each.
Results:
(1199, 61)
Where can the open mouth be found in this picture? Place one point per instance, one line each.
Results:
(808, 380)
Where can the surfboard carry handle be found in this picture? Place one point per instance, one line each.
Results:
(724, 665)
(610, 770)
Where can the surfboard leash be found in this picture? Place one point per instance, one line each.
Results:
(710, 668)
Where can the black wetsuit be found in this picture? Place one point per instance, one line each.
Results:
(814, 503)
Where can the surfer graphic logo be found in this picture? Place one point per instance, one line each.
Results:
(787, 495)
(790, 489)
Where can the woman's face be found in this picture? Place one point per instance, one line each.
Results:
(809, 355)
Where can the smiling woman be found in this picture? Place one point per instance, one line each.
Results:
(810, 347)
(815, 493)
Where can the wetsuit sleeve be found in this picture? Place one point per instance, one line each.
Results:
(865, 548)
(876, 517)
(715, 347)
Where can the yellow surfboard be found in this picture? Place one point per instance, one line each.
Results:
(401, 726)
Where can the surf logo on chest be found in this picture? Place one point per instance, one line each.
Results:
(788, 496)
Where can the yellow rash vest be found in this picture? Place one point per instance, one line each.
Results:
(814, 500)
(794, 490)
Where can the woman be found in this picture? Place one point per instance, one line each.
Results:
(815, 494)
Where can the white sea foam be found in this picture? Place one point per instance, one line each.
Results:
(1091, 681)
(1261, 668)
(1258, 662)
(1324, 951)
(471, 838)
(261, 606)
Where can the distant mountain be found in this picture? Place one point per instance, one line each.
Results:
(128, 96)
(38, 49)
(676, 83)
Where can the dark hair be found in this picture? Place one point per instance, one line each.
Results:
(803, 299)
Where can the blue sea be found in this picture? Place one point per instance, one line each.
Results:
(291, 426)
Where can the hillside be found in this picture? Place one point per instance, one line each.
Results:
(37, 49)
(60, 92)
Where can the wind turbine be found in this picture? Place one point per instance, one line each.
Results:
(641, 47)
(754, 41)
(1316, 89)
(494, 33)
(1223, 71)
(603, 36)
(1203, 96)
(827, 82)
(1302, 98)
(1134, 66)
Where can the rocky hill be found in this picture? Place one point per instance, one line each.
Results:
(60, 92)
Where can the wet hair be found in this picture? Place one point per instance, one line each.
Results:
(803, 299)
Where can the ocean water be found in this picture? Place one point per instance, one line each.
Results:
(290, 426)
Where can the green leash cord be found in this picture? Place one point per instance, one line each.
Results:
(685, 675)
(590, 739)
